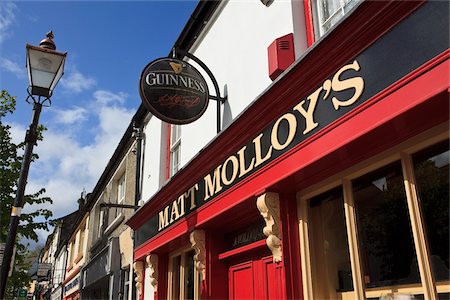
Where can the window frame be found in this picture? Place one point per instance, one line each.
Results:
(121, 188)
(314, 30)
(182, 253)
(403, 153)
(174, 148)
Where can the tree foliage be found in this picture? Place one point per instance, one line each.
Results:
(39, 218)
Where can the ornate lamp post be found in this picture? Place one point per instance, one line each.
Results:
(45, 67)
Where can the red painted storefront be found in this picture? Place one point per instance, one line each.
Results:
(413, 106)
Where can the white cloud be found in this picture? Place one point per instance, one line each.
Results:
(103, 97)
(7, 18)
(77, 82)
(17, 132)
(66, 166)
(11, 66)
(70, 116)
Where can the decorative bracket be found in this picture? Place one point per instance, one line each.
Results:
(197, 238)
(217, 97)
(138, 268)
(152, 262)
(269, 206)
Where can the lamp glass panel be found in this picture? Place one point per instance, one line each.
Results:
(58, 75)
(44, 66)
(41, 78)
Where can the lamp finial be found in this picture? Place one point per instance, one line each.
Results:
(48, 42)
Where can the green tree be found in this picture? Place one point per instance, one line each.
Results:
(39, 218)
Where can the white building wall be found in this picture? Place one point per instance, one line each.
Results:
(234, 47)
(149, 291)
(153, 156)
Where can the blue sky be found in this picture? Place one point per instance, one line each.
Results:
(108, 44)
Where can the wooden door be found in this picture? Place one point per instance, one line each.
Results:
(255, 279)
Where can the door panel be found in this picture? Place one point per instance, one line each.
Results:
(241, 281)
(256, 279)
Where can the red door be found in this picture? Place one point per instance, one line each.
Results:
(255, 279)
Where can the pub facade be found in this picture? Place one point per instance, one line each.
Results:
(329, 178)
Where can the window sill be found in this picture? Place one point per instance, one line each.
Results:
(114, 224)
(69, 268)
(78, 259)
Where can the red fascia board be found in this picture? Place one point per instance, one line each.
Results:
(394, 101)
(370, 21)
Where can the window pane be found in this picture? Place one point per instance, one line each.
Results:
(175, 159)
(121, 189)
(329, 12)
(431, 168)
(175, 134)
(189, 275)
(384, 229)
(331, 258)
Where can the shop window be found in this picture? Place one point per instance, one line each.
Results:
(384, 229)
(175, 148)
(431, 169)
(380, 208)
(183, 277)
(331, 268)
(326, 13)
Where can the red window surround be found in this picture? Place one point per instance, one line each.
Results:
(307, 5)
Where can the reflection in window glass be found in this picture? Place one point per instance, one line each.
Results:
(431, 168)
(384, 229)
(189, 280)
(331, 258)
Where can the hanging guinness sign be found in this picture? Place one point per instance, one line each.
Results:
(174, 91)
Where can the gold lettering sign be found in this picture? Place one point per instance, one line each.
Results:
(237, 165)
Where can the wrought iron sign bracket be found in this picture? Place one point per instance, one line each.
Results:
(114, 205)
(217, 97)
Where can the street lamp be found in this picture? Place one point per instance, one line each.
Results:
(45, 67)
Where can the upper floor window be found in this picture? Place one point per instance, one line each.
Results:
(100, 223)
(120, 193)
(81, 241)
(72, 252)
(175, 148)
(326, 13)
(121, 189)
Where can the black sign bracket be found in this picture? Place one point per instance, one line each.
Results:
(217, 97)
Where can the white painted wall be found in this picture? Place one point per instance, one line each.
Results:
(153, 150)
(149, 291)
(234, 47)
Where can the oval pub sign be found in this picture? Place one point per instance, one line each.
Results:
(174, 91)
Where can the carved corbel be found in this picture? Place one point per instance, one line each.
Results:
(152, 262)
(138, 268)
(269, 206)
(197, 238)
